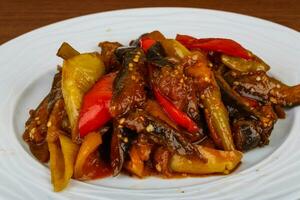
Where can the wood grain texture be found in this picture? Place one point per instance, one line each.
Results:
(20, 16)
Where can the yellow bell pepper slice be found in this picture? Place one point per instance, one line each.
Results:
(79, 74)
(90, 143)
(62, 158)
(62, 150)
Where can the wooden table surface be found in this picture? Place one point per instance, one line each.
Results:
(20, 16)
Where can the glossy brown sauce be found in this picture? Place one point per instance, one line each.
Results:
(95, 167)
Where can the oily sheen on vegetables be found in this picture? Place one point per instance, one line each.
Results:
(155, 107)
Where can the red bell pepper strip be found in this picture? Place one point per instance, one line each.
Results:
(146, 43)
(94, 111)
(222, 45)
(185, 39)
(174, 113)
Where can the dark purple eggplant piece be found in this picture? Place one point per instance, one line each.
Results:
(108, 55)
(156, 56)
(193, 111)
(263, 116)
(170, 138)
(160, 133)
(36, 126)
(104, 148)
(237, 98)
(246, 134)
(264, 88)
(129, 86)
(120, 144)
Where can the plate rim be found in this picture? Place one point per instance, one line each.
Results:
(176, 8)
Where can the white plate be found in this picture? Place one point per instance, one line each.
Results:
(28, 62)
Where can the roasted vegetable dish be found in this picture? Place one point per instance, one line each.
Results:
(156, 107)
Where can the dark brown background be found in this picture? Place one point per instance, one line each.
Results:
(20, 16)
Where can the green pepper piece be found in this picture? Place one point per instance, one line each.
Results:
(245, 65)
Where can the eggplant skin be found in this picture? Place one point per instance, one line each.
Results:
(108, 55)
(246, 134)
(129, 85)
(262, 87)
(36, 126)
(161, 133)
(156, 55)
(120, 143)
